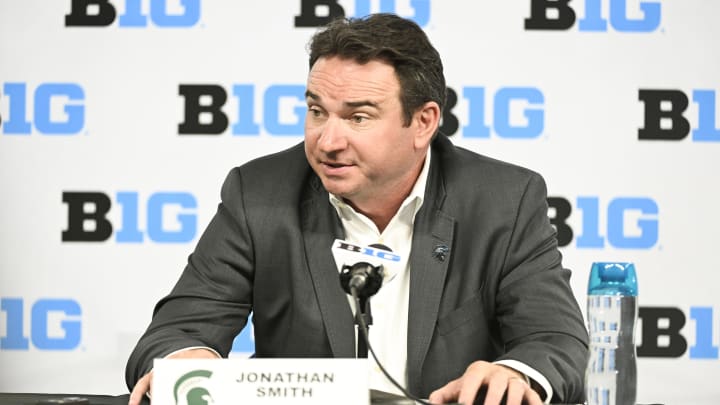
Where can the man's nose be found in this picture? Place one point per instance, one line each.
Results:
(332, 137)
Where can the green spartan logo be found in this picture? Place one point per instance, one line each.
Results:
(190, 390)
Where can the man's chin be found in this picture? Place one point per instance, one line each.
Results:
(338, 190)
(339, 193)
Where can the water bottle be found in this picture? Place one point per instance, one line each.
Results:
(611, 374)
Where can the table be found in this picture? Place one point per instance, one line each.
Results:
(57, 399)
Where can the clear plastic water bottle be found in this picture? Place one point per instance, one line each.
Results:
(611, 375)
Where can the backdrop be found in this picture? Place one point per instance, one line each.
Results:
(121, 118)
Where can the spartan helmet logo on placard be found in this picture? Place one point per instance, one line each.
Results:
(190, 389)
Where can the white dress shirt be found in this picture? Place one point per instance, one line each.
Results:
(389, 307)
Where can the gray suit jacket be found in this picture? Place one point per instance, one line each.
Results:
(500, 293)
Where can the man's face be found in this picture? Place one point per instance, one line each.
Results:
(354, 135)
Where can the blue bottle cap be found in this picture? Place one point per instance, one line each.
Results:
(608, 278)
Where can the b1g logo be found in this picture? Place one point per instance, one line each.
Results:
(516, 112)
(45, 332)
(560, 15)
(204, 115)
(162, 13)
(57, 109)
(631, 222)
(664, 119)
(88, 222)
(661, 333)
(316, 13)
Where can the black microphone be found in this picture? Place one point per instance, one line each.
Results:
(363, 276)
(363, 280)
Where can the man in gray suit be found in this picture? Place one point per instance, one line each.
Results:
(481, 301)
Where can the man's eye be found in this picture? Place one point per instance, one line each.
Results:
(358, 119)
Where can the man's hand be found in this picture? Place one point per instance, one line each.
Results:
(499, 381)
(145, 383)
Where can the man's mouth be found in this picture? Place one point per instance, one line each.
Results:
(335, 168)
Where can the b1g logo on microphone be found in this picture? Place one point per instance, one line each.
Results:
(661, 335)
(136, 14)
(88, 217)
(316, 13)
(57, 109)
(631, 222)
(55, 324)
(644, 16)
(665, 117)
(517, 113)
(342, 247)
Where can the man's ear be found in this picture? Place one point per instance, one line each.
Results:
(426, 120)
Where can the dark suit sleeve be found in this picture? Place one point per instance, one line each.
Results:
(211, 301)
(541, 323)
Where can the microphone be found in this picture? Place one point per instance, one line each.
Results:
(362, 280)
(362, 266)
(365, 278)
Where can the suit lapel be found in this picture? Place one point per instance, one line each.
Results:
(320, 228)
(432, 247)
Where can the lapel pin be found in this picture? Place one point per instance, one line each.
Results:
(440, 252)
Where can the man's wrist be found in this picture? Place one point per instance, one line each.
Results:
(535, 379)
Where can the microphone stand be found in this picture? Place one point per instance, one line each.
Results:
(364, 330)
(362, 315)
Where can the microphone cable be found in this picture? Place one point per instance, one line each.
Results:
(363, 328)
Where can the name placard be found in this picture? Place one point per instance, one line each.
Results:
(260, 381)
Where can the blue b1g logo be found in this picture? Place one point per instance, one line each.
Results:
(204, 113)
(315, 13)
(632, 222)
(662, 333)
(42, 334)
(88, 221)
(101, 13)
(561, 15)
(513, 112)
(66, 97)
(666, 118)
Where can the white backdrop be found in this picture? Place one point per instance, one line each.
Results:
(96, 109)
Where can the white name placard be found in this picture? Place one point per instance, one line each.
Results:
(260, 381)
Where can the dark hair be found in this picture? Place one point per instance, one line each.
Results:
(392, 39)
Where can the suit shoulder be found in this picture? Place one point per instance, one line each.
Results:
(291, 158)
(275, 175)
(467, 167)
